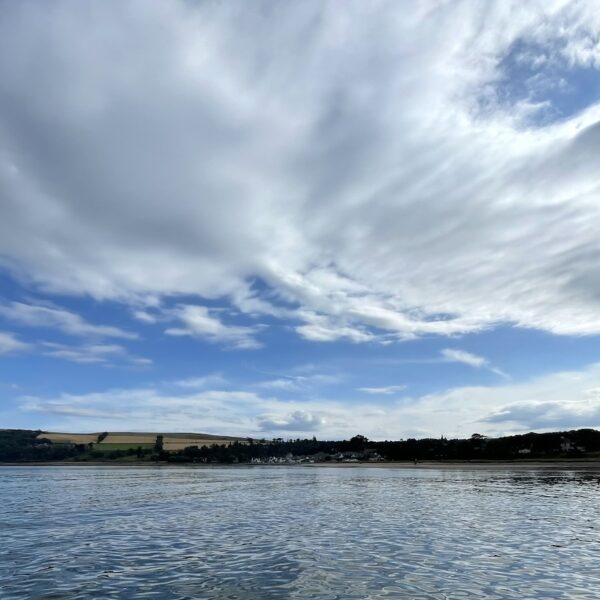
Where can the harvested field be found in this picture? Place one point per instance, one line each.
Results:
(202, 436)
(108, 447)
(171, 443)
(70, 438)
(126, 440)
(136, 439)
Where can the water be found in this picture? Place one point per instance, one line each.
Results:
(293, 532)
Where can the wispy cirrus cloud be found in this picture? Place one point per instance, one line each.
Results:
(303, 379)
(88, 353)
(385, 390)
(472, 360)
(10, 344)
(91, 353)
(371, 180)
(51, 317)
(199, 321)
(214, 380)
(280, 384)
(461, 356)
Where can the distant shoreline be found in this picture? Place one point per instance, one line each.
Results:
(476, 465)
(570, 465)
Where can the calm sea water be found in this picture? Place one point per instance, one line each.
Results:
(289, 532)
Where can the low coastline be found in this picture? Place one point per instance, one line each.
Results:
(477, 465)
(570, 465)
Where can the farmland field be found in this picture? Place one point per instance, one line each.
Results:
(124, 446)
(136, 439)
(202, 436)
(131, 440)
(70, 438)
(173, 443)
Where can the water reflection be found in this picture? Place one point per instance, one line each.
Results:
(279, 532)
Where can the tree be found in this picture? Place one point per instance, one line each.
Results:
(358, 443)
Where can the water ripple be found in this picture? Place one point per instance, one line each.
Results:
(277, 533)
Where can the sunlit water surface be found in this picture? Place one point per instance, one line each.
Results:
(289, 532)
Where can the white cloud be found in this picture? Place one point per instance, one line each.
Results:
(387, 390)
(283, 384)
(299, 420)
(467, 358)
(330, 151)
(556, 401)
(323, 329)
(453, 355)
(548, 415)
(9, 344)
(91, 353)
(147, 409)
(306, 382)
(145, 316)
(199, 322)
(68, 322)
(207, 381)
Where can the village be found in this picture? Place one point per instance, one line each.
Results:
(320, 457)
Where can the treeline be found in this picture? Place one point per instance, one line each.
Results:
(244, 452)
(18, 445)
(564, 444)
(22, 445)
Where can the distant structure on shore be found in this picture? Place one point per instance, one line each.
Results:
(18, 445)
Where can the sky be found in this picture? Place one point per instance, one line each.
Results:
(318, 218)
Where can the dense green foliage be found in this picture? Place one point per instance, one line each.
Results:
(19, 445)
(24, 446)
(570, 444)
(565, 444)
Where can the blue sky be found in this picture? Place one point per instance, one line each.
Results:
(289, 220)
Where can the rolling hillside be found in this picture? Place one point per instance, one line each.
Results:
(122, 440)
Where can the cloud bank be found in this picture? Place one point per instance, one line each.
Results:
(569, 399)
(322, 163)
